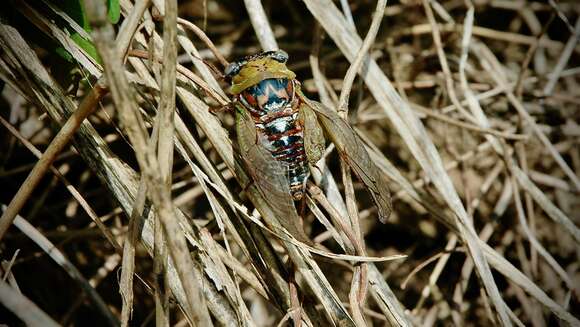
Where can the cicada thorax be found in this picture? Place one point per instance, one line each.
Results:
(273, 105)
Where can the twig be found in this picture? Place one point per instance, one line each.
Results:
(529, 55)
(130, 116)
(534, 241)
(562, 16)
(130, 25)
(7, 269)
(58, 257)
(164, 149)
(489, 62)
(128, 263)
(495, 259)
(564, 57)
(471, 127)
(203, 37)
(73, 191)
(442, 259)
(359, 282)
(86, 107)
(261, 24)
(443, 60)
(347, 13)
(522, 157)
(188, 74)
(361, 58)
(23, 308)
(488, 33)
(542, 200)
(414, 135)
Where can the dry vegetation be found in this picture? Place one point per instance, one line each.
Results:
(470, 108)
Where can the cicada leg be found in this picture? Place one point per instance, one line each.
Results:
(247, 186)
(230, 106)
(302, 208)
(295, 307)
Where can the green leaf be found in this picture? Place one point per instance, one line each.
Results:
(75, 10)
(86, 45)
(63, 54)
(114, 11)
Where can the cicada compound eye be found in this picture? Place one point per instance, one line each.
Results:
(232, 69)
(280, 56)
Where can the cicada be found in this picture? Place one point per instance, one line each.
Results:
(280, 131)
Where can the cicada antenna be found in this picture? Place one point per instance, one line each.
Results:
(213, 68)
(204, 38)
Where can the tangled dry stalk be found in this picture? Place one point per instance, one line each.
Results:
(470, 108)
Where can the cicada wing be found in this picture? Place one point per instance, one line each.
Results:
(313, 134)
(351, 148)
(268, 174)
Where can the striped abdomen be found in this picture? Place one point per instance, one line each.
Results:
(275, 109)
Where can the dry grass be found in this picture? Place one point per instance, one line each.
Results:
(470, 109)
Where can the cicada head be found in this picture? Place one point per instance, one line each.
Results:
(251, 70)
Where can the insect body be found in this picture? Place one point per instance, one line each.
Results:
(280, 131)
(271, 99)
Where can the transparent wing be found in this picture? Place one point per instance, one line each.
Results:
(268, 174)
(351, 148)
(313, 134)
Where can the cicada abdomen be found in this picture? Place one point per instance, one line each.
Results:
(274, 109)
(268, 94)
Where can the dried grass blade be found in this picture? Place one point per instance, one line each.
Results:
(493, 66)
(164, 147)
(305, 264)
(534, 241)
(128, 263)
(224, 281)
(118, 177)
(23, 308)
(261, 24)
(58, 257)
(495, 259)
(415, 136)
(122, 96)
(387, 300)
(563, 60)
(87, 106)
(542, 200)
(50, 28)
